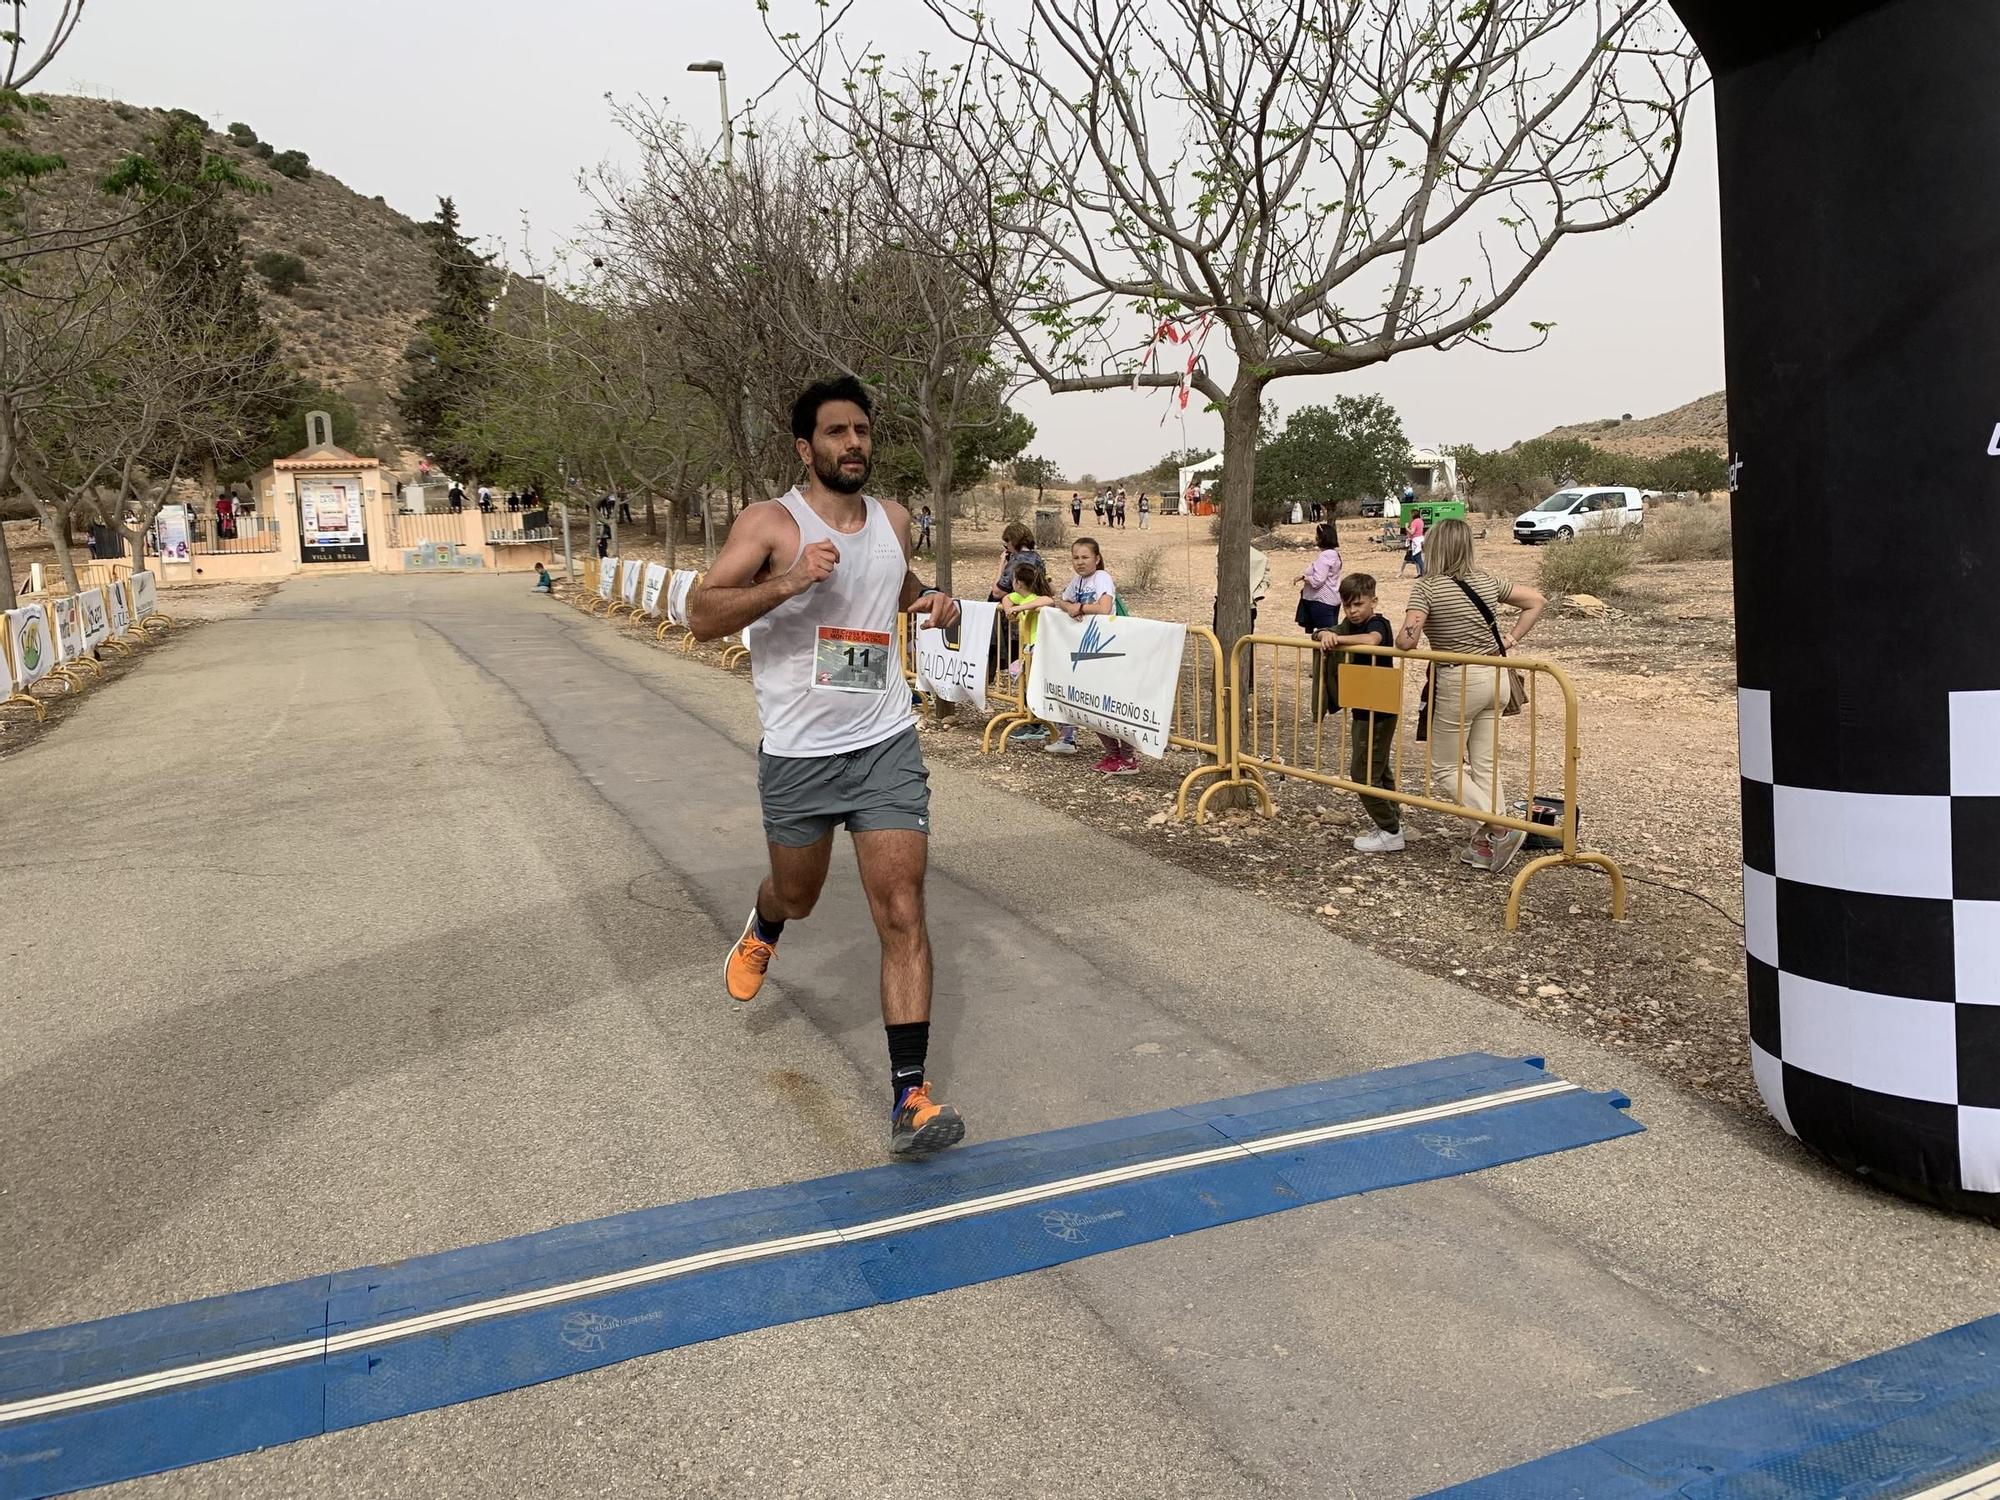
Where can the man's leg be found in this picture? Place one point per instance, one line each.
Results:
(892, 864)
(798, 871)
(893, 861)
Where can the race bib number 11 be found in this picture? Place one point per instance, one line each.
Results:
(853, 661)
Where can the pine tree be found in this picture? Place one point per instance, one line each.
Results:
(446, 366)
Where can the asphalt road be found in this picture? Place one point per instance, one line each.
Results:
(390, 919)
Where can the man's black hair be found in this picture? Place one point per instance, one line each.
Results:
(805, 410)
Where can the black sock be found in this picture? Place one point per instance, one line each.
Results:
(909, 1041)
(762, 927)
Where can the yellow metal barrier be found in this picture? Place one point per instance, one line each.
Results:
(1280, 688)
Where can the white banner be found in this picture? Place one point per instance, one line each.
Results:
(145, 597)
(172, 530)
(678, 592)
(1112, 673)
(607, 576)
(69, 627)
(31, 649)
(121, 615)
(957, 674)
(656, 580)
(630, 571)
(96, 621)
(330, 512)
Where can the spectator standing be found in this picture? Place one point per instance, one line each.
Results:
(625, 515)
(456, 495)
(1319, 590)
(1121, 510)
(1029, 587)
(1455, 606)
(1097, 507)
(1075, 508)
(1145, 510)
(1414, 549)
(603, 538)
(1091, 592)
(1017, 545)
(1371, 735)
(924, 524)
(225, 516)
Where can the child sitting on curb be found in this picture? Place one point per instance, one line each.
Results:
(1373, 735)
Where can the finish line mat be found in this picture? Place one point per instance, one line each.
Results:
(131, 1395)
(1921, 1422)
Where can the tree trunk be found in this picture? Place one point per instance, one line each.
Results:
(1232, 556)
(673, 529)
(652, 519)
(56, 522)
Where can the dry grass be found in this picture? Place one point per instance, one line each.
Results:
(1142, 574)
(1586, 565)
(1687, 533)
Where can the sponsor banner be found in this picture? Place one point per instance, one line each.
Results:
(172, 531)
(145, 596)
(69, 628)
(607, 577)
(31, 646)
(952, 663)
(121, 613)
(678, 593)
(1112, 673)
(96, 619)
(656, 580)
(630, 572)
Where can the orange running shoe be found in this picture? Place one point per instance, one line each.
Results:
(920, 1125)
(748, 962)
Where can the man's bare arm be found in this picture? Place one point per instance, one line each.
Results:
(732, 595)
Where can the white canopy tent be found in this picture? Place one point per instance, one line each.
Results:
(1212, 462)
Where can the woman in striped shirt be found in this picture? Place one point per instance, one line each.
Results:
(1446, 606)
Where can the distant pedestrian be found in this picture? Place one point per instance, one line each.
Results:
(456, 496)
(1075, 509)
(1319, 590)
(1097, 507)
(924, 523)
(1414, 550)
(625, 510)
(1145, 511)
(603, 538)
(1121, 508)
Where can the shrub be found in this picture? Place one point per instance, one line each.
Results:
(282, 273)
(189, 118)
(242, 134)
(1686, 533)
(1591, 564)
(265, 150)
(293, 164)
(1051, 533)
(1142, 574)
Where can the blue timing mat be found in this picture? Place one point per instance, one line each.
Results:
(1925, 1414)
(131, 1395)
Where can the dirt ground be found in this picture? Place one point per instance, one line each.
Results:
(1658, 792)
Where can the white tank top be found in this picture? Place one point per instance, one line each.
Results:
(824, 663)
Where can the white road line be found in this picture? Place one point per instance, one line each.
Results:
(1984, 1484)
(666, 1270)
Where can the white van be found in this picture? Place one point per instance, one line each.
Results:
(1569, 513)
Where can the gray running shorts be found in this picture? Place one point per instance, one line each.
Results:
(878, 786)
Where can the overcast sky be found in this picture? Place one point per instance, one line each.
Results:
(500, 104)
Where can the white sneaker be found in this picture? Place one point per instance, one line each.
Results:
(1381, 841)
(1059, 747)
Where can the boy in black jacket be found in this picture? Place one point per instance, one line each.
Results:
(1373, 735)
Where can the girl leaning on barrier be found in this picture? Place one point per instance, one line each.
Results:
(1455, 605)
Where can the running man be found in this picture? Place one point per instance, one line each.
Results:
(818, 577)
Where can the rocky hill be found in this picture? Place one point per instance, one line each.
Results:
(367, 268)
(1702, 423)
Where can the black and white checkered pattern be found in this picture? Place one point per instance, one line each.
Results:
(1872, 924)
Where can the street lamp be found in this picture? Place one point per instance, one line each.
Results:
(714, 65)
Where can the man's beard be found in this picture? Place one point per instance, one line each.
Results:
(830, 473)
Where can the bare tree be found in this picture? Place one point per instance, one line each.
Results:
(682, 242)
(1320, 185)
